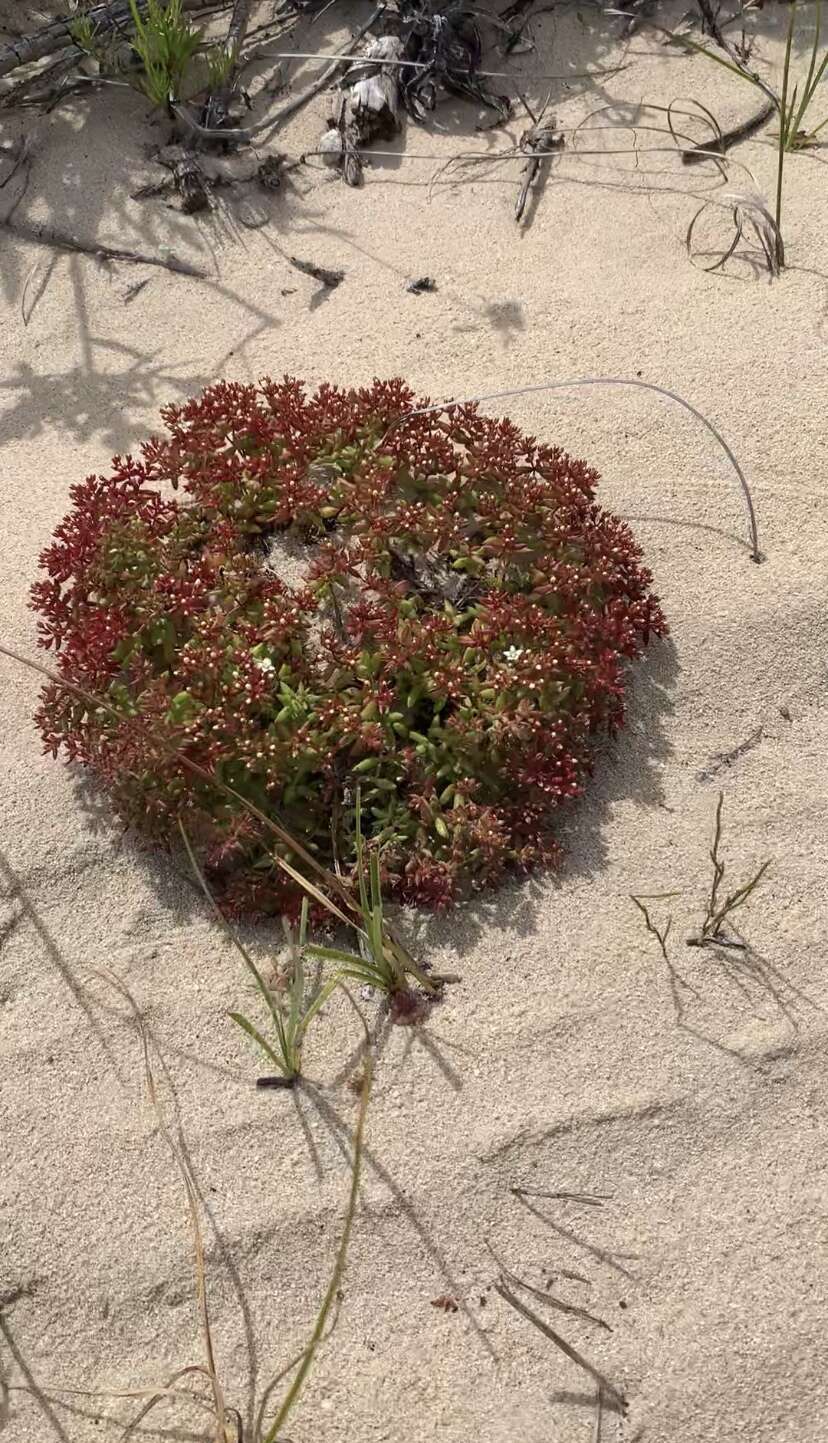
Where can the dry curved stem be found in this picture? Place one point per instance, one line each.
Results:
(660, 936)
(634, 126)
(608, 1389)
(748, 208)
(723, 259)
(309, 1353)
(698, 151)
(718, 912)
(756, 554)
(180, 1159)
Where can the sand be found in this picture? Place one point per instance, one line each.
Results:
(560, 1062)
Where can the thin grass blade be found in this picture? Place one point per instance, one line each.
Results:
(247, 1026)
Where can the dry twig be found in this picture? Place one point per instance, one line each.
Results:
(608, 1389)
(60, 240)
(297, 102)
(539, 141)
(717, 911)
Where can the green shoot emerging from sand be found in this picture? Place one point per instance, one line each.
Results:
(376, 964)
(227, 1426)
(795, 104)
(219, 65)
(165, 42)
(291, 1024)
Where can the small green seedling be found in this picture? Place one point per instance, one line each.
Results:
(290, 1027)
(290, 1024)
(219, 65)
(165, 43)
(83, 32)
(381, 960)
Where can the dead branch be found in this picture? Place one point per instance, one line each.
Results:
(18, 153)
(368, 109)
(708, 150)
(290, 107)
(216, 111)
(330, 279)
(541, 140)
(43, 86)
(59, 240)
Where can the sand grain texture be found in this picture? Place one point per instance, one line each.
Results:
(560, 1062)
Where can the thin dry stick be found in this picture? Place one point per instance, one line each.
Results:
(424, 65)
(589, 1199)
(676, 979)
(718, 867)
(716, 914)
(60, 240)
(545, 1297)
(609, 1389)
(756, 555)
(339, 1266)
(538, 142)
(599, 1409)
(290, 107)
(661, 937)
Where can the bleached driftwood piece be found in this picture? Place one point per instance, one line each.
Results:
(368, 108)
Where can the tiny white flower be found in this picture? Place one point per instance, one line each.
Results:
(265, 664)
(513, 653)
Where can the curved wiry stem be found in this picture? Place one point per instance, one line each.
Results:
(755, 553)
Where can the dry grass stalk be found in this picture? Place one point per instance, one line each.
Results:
(608, 1389)
(719, 911)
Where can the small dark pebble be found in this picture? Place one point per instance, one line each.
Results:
(622, 1304)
